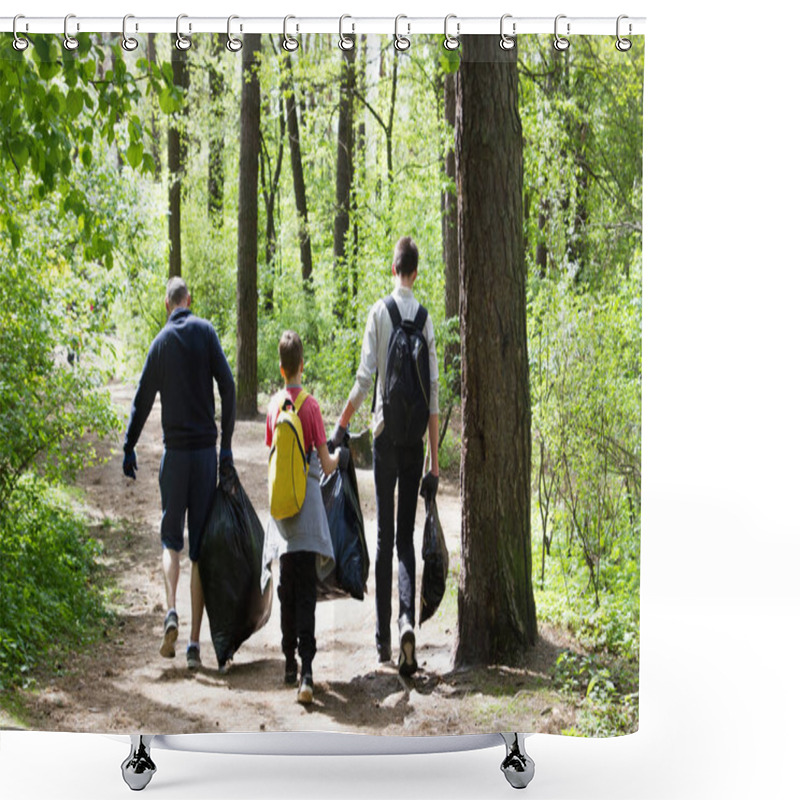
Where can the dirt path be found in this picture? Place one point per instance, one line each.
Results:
(123, 685)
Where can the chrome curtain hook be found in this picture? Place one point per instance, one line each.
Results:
(346, 42)
(507, 42)
(401, 43)
(451, 42)
(623, 44)
(233, 44)
(20, 43)
(70, 42)
(290, 44)
(560, 43)
(182, 42)
(129, 43)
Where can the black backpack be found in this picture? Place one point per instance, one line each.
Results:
(407, 384)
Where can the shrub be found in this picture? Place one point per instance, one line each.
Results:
(50, 599)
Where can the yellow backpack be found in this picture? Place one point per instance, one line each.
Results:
(288, 465)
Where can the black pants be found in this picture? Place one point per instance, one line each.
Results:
(297, 591)
(400, 467)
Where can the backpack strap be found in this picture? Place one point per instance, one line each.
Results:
(421, 318)
(394, 311)
(299, 400)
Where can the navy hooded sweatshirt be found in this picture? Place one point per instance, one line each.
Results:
(181, 364)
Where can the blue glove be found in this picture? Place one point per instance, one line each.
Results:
(129, 464)
(225, 455)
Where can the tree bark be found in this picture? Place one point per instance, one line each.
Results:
(270, 181)
(155, 126)
(293, 128)
(216, 142)
(496, 611)
(176, 158)
(449, 216)
(344, 180)
(247, 262)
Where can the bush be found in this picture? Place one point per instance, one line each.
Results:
(47, 570)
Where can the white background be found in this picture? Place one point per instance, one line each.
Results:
(720, 603)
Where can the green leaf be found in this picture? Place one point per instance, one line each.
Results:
(74, 102)
(149, 163)
(135, 153)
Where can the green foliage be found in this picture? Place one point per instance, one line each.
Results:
(49, 406)
(55, 106)
(606, 707)
(50, 600)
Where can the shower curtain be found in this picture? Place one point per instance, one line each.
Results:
(276, 175)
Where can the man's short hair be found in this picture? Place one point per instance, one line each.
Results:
(406, 256)
(290, 349)
(177, 292)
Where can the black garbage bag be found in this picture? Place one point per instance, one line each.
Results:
(234, 568)
(343, 507)
(436, 562)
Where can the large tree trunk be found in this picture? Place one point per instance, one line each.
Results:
(176, 158)
(344, 179)
(247, 265)
(449, 215)
(496, 611)
(216, 142)
(293, 128)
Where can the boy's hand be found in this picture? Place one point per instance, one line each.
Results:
(129, 465)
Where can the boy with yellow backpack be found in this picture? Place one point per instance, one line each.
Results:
(298, 452)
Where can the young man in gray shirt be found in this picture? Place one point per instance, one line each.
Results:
(396, 465)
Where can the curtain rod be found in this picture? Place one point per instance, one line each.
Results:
(404, 25)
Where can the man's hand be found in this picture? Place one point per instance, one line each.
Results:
(225, 456)
(338, 435)
(344, 458)
(429, 486)
(129, 464)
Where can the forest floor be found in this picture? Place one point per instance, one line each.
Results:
(122, 684)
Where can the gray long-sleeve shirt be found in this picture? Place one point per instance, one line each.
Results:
(375, 352)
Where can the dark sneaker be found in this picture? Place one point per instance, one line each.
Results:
(193, 657)
(305, 694)
(384, 653)
(290, 674)
(170, 635)
(407, 663)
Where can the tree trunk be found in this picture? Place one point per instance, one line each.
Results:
(496, 611)
(293, 128)
(449, 216)
(216, 142)
(270, 181)
(155, 125)
(176, 157)
(344, 180)
(247, 263)
(359, 173)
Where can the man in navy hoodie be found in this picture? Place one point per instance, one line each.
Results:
(182, 363)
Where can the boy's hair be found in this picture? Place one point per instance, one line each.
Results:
(406, 256)
(290, 349)
(177, 291)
